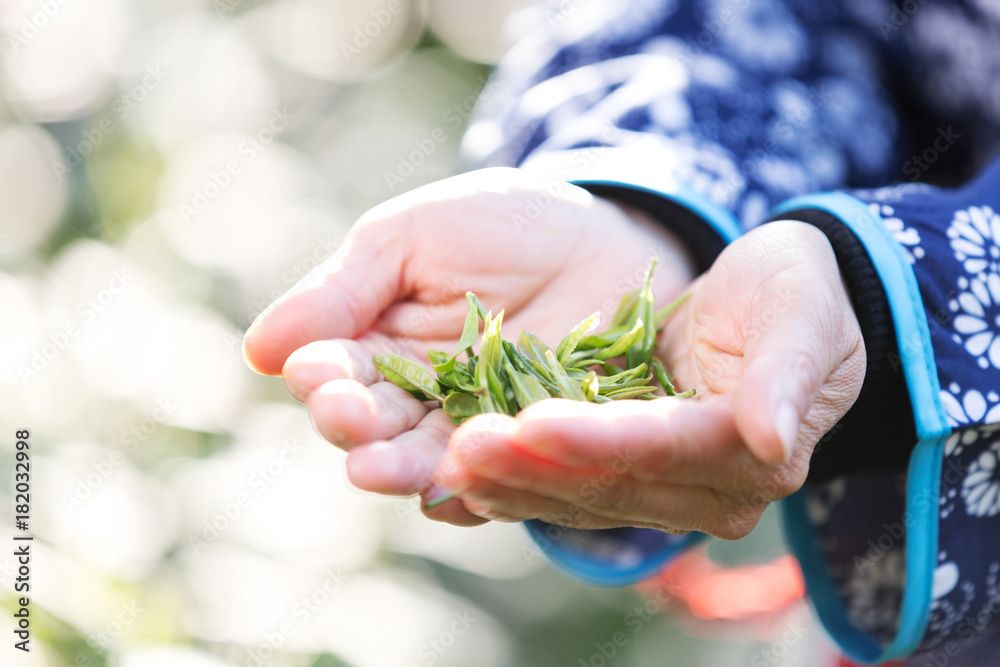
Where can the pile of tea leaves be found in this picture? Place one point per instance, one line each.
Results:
(506, 378)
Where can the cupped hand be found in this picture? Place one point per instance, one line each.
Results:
(549, 253)
(771, 343)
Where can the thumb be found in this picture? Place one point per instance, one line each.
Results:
(339, 299)
(797, 351)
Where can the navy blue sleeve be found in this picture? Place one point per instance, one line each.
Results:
(901, 549)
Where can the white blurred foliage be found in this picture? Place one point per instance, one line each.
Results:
(247, 204)
(279, 490)
(118, 520)
(32, 197)
(133, 344)
(95, 599)
(391, 135)
(392, 618)
(337, 41)
(169, 656)
(212, 80)
(472, 28)
(498, 550)
(58, 56)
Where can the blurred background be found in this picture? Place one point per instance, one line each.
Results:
(168, 168)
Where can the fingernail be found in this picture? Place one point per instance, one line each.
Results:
(786, 423)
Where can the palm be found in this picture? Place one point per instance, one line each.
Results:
(399, 283)
(732, 340)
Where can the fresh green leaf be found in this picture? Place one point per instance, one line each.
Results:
(642, 350)
(626, 308)
(623, 344)
(590, 386)
(527, 389)
(567, 387)
(409, 375)
(663, 377)
(460, 406)
(668, 310)
(632, 392)
(568, 344)
(470, 334)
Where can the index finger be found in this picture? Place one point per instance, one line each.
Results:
(665, 439)
(339, 299)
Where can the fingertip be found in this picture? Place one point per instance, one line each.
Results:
(482, 432)
(322, 361)
(343, 411)
(254, 355)
(382, 467)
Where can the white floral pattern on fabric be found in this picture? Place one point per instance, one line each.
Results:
(974, 235)
(977, 318)
(970, 407)
(981, 486)
(907, 237)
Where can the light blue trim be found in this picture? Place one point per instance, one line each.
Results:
(597, 571)
(718, 218)
(923, 481)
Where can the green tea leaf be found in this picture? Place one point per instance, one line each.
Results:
(470, 334)
(631, 392)
(622, 376)
(460, 406)
(642, 350)
(626, 308)
(568, 344)
(643, 381)
(527, 389)
(597, 341)
(663, 377)
(409, 375)
(668, 310)
(623, 344)
(532, 347)
(567, 387)
(590, 386)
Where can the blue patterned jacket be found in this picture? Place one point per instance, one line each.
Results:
(876, 123)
